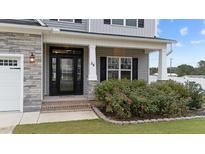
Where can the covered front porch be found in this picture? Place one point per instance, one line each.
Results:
(75, 64)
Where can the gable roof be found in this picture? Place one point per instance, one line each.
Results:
(39, 23)
(29, 22)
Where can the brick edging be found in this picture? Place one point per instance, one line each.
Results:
(102, 116)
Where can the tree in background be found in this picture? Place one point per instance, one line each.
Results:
(153, 70)
(172, 70)
(185, 69)
(201, 67)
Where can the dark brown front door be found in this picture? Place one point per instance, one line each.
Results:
(66, 73)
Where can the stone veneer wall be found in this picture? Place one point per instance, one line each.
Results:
(20, 43)
(91, 89)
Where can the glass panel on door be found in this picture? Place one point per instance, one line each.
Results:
(53, 69)
(53, 75)
(79, 86)
(66, 78)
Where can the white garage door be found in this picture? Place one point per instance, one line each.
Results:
(10, 83)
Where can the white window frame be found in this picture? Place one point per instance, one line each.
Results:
(131, 26)
(124, 24)
(119, 67)
(117, 24)
(73, 21)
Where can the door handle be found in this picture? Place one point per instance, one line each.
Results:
(16, 68)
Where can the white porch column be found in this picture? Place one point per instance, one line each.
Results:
(92, 73)
(162, 66)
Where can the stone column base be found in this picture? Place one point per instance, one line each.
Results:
(32, 105)
(91, 89)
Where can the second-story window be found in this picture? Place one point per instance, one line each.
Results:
(125, 22)
(118, 21)
(66, 20)
(69, 20)
(131, 22)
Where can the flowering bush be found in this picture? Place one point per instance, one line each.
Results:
(126, 99)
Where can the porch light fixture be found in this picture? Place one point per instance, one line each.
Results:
(32, 58)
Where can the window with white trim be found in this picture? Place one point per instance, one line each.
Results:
(68, 20)
(118, 21)
(138, 23)
(131, 22)
(119, 68)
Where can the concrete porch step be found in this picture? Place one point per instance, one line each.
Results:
(69, 106)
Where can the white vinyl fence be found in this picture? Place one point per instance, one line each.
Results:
(181, 80)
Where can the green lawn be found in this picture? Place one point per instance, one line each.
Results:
(196, 126)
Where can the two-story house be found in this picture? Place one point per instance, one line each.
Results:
(49, 58)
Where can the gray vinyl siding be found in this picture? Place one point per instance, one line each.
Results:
(98, 26)
(68, 25)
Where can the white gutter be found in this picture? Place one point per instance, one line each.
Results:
(100, 36)
(88, 25)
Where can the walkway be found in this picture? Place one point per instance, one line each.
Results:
(8, 120)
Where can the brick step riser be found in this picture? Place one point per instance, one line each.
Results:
(61, 107)
(68, 106)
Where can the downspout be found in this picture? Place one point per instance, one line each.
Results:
(171, 50)
(88, 25)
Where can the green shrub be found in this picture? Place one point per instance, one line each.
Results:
(196, 94)
(171, 86)
(113, 95)
(125, 99)
(139, 106)
(110, 86)
(191, 91)
(157, 102)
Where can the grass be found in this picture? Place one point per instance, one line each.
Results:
(196, 126)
